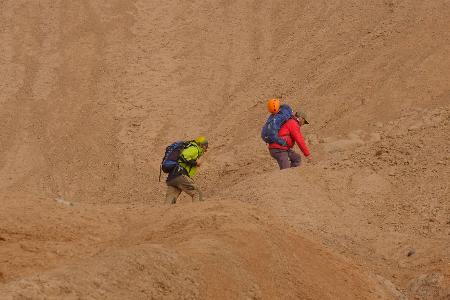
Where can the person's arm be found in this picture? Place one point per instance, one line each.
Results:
(296, 134)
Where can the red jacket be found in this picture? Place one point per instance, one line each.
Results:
(291, 133)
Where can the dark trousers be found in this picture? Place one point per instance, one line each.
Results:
(286, 158)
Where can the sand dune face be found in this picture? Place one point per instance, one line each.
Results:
(213, 250)
(91, 93)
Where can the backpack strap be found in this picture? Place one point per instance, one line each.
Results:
(160, 167)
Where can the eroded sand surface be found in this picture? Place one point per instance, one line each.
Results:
(91, 92)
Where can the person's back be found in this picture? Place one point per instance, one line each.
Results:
(180, 179)
(189, 156)
(291, 134)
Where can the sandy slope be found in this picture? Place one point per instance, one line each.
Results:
(91, 92)
(211, 250)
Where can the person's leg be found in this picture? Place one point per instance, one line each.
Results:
(172, 194)
(295, 158)
(188, 186)
(281, 157)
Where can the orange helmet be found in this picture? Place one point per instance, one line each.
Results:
(273, 105)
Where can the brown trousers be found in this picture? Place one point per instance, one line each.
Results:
(180, 184)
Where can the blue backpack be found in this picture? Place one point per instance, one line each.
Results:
(269, 132)
(171, 156)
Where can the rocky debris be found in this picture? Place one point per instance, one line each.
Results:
(61, 200)
(342, 145)
(391, 287)
(429, 286)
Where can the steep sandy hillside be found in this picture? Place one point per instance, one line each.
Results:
(204, 250)
(91, 92)
(94, 88)
(380, 198)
